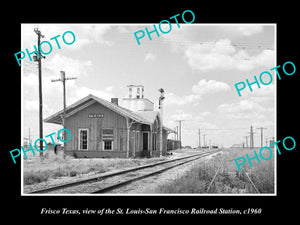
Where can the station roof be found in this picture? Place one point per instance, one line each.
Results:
(144, 117)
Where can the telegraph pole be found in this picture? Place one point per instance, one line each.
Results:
(246, 141)
(63, 79)
(39, 60)
(199, 138)
(267, 141)
(161, 98)
(251, 137)
(261, 136)
(179, 131)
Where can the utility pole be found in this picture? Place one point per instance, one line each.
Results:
(267, 141)
(251, 137)
(272, 140)
(179, 131)
(199, 138)
(246, 141)
(261, 136)
(63, 79)
(39, 60)
(161, 99)
(174, 133)
(29, 136)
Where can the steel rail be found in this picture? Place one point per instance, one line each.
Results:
(251, 182)
(253, 185)
(108, 175)
(215, 175)
(120, 184)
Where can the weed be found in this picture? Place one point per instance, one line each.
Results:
(228, 180)
(35, 177)
(37, 170)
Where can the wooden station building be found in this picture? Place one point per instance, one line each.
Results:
(100, 128)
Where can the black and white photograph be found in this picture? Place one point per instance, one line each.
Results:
(148, 112)
(153, 115)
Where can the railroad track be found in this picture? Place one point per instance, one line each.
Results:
(243, 171)
(110, 181)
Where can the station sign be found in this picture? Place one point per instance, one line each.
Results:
(95, 115)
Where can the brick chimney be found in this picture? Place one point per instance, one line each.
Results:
(114, 101)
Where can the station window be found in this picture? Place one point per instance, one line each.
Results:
(138, 93)
(130, 92)
(83, 139)
(107, 144)
(107, 137)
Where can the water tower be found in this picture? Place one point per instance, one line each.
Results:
(135, 100)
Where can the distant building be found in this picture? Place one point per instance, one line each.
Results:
(237, 146)
(173, 144)
(100, 128)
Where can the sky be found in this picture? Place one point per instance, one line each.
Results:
(197, 65)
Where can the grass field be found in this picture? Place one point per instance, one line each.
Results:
(197, 180)
(37, 170)
(229, 179)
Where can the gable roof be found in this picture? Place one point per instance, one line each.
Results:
(147, 117)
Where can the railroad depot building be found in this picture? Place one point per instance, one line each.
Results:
(100, 128)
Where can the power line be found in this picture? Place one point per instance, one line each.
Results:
(251, 137)
(39, 60)
(199, 139)
(246, 141)
(179, 130)
(261, 136)
(63, 79)
(217, 129)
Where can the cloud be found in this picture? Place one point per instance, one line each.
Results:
(201, 88)
(209, 87)
(123, 29)
(246, 110)
(191, 122)
(182, 116)
(262, 94)
(201, 116)
(149, 57)
(31, 105)
(30, 79)
(72, 67)
(248, 30)
(241, 106)
(106, 94)
(223, 55)
(173, 99)
(94, 34)
(84, 33)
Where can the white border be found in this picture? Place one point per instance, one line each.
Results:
(193, 195)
